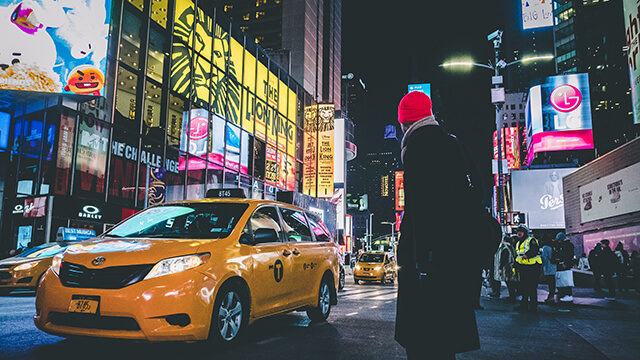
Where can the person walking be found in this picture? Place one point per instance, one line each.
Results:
(608, 265)
(623, 267)
(504, 270)
(528, 264)
(564, 258)
(548, 269)
(595, 260)
(435, 315)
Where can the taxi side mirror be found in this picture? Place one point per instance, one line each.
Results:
(246, 239)
(265, 236)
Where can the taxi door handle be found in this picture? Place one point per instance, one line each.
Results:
(296, 252)
(286, 252)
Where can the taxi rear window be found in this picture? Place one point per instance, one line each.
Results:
(193, 221)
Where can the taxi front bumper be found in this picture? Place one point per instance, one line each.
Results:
(174, 307)
(371, 274)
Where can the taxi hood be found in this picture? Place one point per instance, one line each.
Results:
(123, 252)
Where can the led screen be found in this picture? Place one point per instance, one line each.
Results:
(537, 14)
(425, 88)
(54, 46)
(559, 115)
(538, 194)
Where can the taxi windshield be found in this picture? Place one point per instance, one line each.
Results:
(41, 251)
(372, 258)
(193, 221)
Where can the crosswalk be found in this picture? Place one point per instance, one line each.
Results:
(368, 292)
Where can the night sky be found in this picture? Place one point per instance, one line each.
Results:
(390, 44)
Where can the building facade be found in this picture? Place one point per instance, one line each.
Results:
(189, 103)
(305, 36)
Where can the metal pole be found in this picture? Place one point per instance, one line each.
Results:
(499, 139)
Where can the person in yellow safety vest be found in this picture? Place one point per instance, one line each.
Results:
(528, 264)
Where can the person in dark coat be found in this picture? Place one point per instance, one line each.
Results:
(595, 260)
(608, 265)
(436, 296)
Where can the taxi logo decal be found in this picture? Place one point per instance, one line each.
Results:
(98, 261)
(308, 266)
(277, 270)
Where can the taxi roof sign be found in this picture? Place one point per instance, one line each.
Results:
(226, 193)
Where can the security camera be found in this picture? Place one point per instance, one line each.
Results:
(496, 35)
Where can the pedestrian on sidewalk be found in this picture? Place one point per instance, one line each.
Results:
(609, 263)
(528, 264)
(435, 315)
(583, 263)
(548, 269)
(564, 259)
(595, 261)
(623, 267)
(504, 268)
(634, 262)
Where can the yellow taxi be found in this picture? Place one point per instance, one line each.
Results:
(375, 266)
(192, 270)
(23, 271)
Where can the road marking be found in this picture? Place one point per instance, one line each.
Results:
(270, 340)
(374, 307)
(351, 314)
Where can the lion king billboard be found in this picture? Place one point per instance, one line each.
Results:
(54, 46)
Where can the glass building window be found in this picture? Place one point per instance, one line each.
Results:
(139, 4)
(214, 176)
(159, 12)
(126, 99)
(91, 157)
(122, 172)
(130, 40)
(156, 56)
(259, 154)
(177, 107)
(196, 170)
(152, 122)
(175, 179)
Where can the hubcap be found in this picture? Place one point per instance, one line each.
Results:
(230, 316)
(325, 300)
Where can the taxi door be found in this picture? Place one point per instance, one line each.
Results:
(307, 255)
(272, 263)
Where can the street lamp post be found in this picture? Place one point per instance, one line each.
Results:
(497, 98)
(393, 233)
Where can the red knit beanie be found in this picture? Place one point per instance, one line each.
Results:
(414, 106)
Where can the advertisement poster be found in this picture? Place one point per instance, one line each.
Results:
(272, 171)
(509, 139)
(194, 140)
(537, 14)
(399, 190)
(35, 207)
(424, 88)
(54, 46)
(65, 152)
(325, 149)
(558, 115)
(24, 236)
(310, 163)
(631, 23)
(538, 193)
(233, 147)
(91, 159)
(157, 187)
(611, 195)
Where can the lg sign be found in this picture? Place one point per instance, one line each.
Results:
(199, 128)
(565, 98)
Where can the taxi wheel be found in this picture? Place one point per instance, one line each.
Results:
(393, 279)
(321, 311)
(384, 279)
(341, 280)
(230, 315)
(356, 281)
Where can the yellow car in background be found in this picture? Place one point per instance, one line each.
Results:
(374, 266)
(192, 270)
(23, 271)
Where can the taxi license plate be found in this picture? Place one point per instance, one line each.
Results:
(84, 304)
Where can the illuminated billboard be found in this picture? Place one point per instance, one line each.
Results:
(537, 14)
(631, 18)
(558, 115)
(509, 146)
(54, 46)
(424, 88)
(399, 190)
(538, 194)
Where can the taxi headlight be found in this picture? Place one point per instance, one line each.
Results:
(378, 268)
(177, 264)
(56, 263)
(357, 266)
(26, 266)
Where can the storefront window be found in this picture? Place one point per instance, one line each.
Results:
(152, 123)
(259, 153)
(257, 191)
(245, 183)
(150, 161)
(218, 129)
(231, 179)
(177, 107)
(246, 152)
(125, 115)
(122, 173)
(214, 176)
(130, 40)
(196, 169)
(175, 175)
(156, 56)
(91, 157)
(232, 159)
(64, 153)
(49, 151)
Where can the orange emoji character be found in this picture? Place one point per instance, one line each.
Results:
(85, 80)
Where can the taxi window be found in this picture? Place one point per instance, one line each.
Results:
(266, 218)
(372, 258)
(319, 230)
(190, 220)
(295, 224)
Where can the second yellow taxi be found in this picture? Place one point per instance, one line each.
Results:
(192, 270)
(374, 266)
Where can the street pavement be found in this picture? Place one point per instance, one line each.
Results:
(361, 327)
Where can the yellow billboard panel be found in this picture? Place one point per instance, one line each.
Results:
(281, 127)
(249, 72)
(292, 102)
(260, 116)
(235, 60)
(309, 174)
(262, 84)
(248, 102)
(184, 18)
(181, 69)
(291, 138)
(272, 90)
(204, 39)
(201, 82)
(220, 48)
(326, 114)
(282, 98)
(272, 127)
